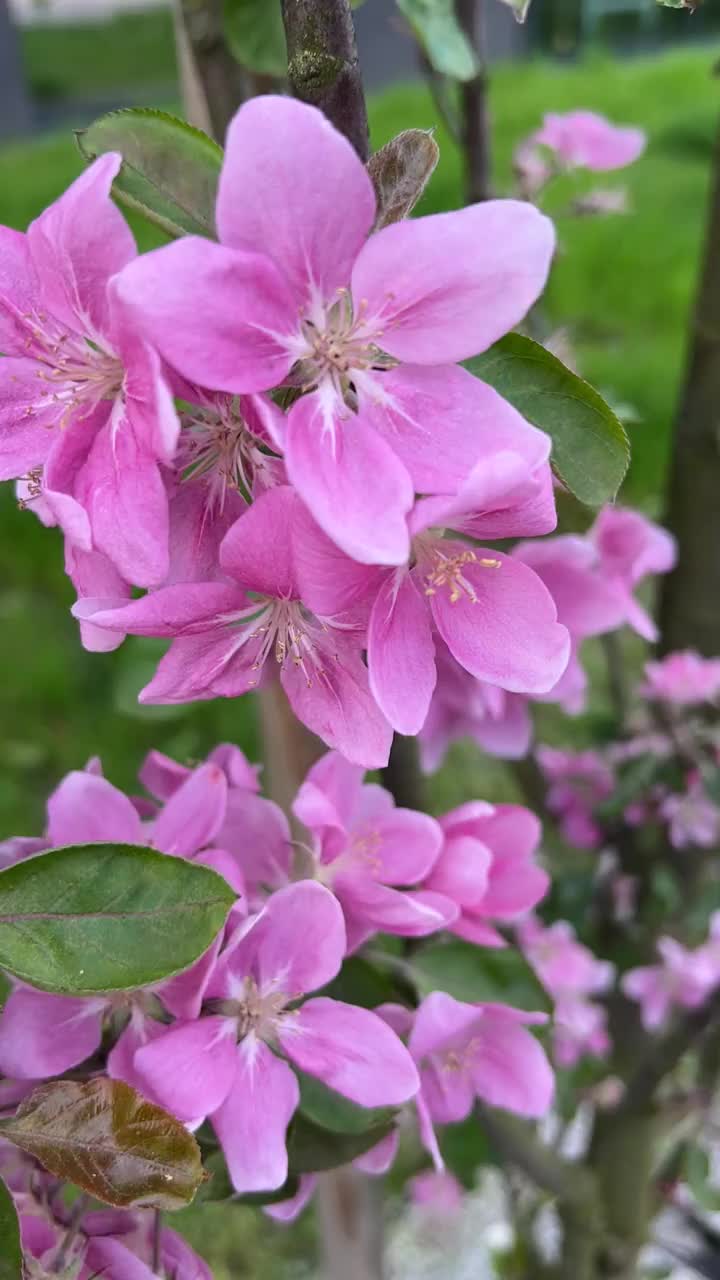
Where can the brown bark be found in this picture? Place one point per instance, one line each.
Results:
(690, 597)
(475, 108)
(213, 82)
(323, 64)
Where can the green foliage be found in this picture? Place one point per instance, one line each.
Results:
(107, 917)
(361, 983)
(111, 1142)
(11, 1259)
(313, 1149)
(696, 1172)
(330, 1110)
(590, 450)
(465, 1148)
(170, 170)
(479, 974)
(444, 42)
(219, 1189)
(256, 35)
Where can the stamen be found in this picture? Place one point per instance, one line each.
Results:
(448, 572)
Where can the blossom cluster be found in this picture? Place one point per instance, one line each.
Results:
(571, 975)
(684, 978)
(593, 581)
(576, 140)
(229, 1040)
(273, 436)
(664, 769)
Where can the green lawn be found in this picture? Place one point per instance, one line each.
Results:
(621, 285)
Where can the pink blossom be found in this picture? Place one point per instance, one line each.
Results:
(226, 633)
(469, 1051)
(86, 415)
(464, 707)
(224, 1064)
(683, 978)
(364, 847)
(564, 966)
(487, 867)
(117, 1259)
(630, 549)
(578, 783)
(579, 1030)
(369, 329)
(682, 679)
(492, 612)
(693, 820)
(583, 139)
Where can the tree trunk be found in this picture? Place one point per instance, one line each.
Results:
(690, 598)
(475, 107)
(15, 113)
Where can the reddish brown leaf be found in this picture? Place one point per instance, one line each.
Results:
(400, 172)
(107, 1139)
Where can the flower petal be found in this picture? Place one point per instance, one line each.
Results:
(294, 188)
(401, 654)
(352, 1051)
(252, 1122)
(510, 1068)
(192, 817)
(355, 486)
(408, 914)
(257, 552)
(295, 945)
(231, 336)
(338, 705)
(44, 1035)
(192, 1068)
(444, 287)
(87, 809)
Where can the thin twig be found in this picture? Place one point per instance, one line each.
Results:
(62, 1256)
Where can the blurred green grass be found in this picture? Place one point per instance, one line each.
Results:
(621, 285)
(126, 51)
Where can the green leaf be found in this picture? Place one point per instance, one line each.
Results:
(479, 974)
(312, 1148)
(400, 172)
(465, 1147)
(441, 36)
(111, 1142)
(256, 35)
(11, 1257)
(590, 450)
(330, 1110)
(697, 1175)
(360, 983)
(107, 917)
(170, 170)
(519, 8)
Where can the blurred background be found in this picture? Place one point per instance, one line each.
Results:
(620, 296)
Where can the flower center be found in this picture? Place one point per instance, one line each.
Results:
(217, 447)
(448, 572)
(286, 632)
(254, 1013)
(336, 346)
(76, 372)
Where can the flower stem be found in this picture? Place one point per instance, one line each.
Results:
(323, 64)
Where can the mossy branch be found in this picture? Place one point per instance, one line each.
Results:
(323, 64)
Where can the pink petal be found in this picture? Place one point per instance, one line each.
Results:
(192, 1068)
(181, 610)
(587, 603)
(183, 995)
(351, 1050)
(252, 1122)
(330, 582)
(329, 796)
(296, 944)
(406, 847)
(447, 286)
(111, 1260)
(440, 421)
(196, 532)
(148, 398)
(380, 1158)
(257, 550)
(44, 1035)
(288, 1210)
(231, 336)
(447, 1093)
(474, 929)
(257, 834)
(122, 490)
(19, 291)
(195, 813)
(508, 633)
(204, 666)
(293, 187)
(411, 915)
(26, 435)
(440, 1021)
(121, 1058)
(354, 485)
(62, 477)
(401, 654)
(92, 574)
(87, 809)
(462, 871)
(77, 244)
(510, 1068)
(338, 705)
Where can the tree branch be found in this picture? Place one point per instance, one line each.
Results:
(664, 1056)
(207, 66)
(323, 64)
(475, 107)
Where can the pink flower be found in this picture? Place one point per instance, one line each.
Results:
(487, 867)
(693, 820)
(579, 782)
(682, 679)
(464, 707)
(437, 1193)
(225, 633)
(493, 613)
(364, 847)
(369, 329)
(579, 1030)
(223, 1065)
(85, 413)
(583, 139)
(630, 548)
(564, 966)
(132, 1259)
(469, 1051)
(683, 978)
